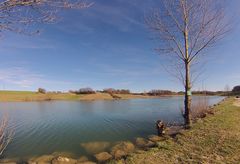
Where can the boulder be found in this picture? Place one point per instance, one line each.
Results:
(45, 159)
(141, 142)
(103, 157)
(151, 144)
(86, 162)
(63, 160)
(144, 143)
(155, 138)
(95, 147)
(122, 149)
(127, 147)
(82, 159)
(118, 154)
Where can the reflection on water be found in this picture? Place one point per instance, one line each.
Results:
(81, 128)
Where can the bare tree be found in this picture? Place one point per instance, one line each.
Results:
(186, 29)
(18, 15)
(6, 134)
(227, 90)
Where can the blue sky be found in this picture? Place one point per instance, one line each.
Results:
(107, 45)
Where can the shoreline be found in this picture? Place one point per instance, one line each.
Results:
(27, 96)
(210, 140)
(154, 149)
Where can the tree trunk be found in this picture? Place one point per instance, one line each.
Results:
(187, 101)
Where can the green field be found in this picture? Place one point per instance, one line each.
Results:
(22, 96)
(214, 139)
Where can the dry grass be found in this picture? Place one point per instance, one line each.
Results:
(200, 108)
(214, 139)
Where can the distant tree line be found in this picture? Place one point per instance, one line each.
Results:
(210, 93)
(154, 92)
(157, 92)
(83, 91)
(116, 91)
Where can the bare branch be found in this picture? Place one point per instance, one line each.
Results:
(19, 15)
(6, 134)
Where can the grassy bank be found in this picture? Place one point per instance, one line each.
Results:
(22, 96)
(215, 139)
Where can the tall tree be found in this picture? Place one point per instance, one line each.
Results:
(186, 29)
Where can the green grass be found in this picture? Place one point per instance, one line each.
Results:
(215, 139)
(22, 96)
(16, 96)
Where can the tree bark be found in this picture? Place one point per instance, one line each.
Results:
(187, 114)
(187, 101)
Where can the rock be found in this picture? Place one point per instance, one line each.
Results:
(122, 149)
(103, 157)
(64, 160)
(141, 142)
(144, 143)
(118, 154)
(127, 147)
(45, 159)
(82, 159)
(95, 147)
(155, 138)
(151, 144)
(86, 162)
(63, 154)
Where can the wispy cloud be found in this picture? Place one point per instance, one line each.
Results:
(19, 76)
(114, 71)
(23, 78)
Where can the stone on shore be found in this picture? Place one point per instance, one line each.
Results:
(96, 147)
(82, 159)
(155, 138)
(86, 162)
(64, 160)
(45, 159)
(103, 157)
(118, 154)
(122, 149)
(144, 143)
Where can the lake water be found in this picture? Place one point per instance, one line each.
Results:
(77, 126)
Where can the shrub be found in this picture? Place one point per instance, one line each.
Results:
(236, 89)
(41, 90)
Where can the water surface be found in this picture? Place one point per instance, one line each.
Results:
(67, 126)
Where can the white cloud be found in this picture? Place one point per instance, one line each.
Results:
(22, 78)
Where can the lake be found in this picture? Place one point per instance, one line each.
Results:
(75, 127)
